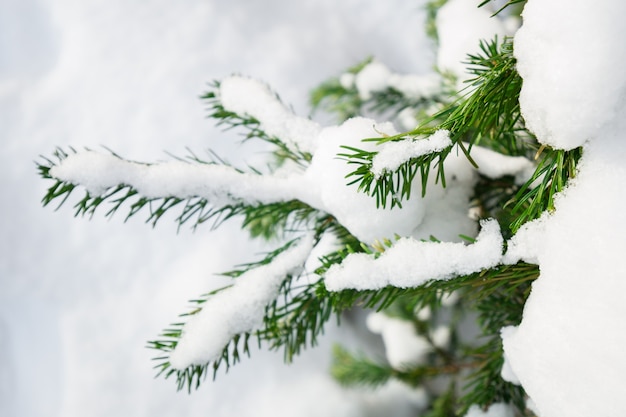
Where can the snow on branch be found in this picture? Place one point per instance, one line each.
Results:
(495, 165)
(220, 184)
(238, 309)
(246, 96)
(394, 154)
(410, 263)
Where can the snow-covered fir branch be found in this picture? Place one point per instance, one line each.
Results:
(486, 240)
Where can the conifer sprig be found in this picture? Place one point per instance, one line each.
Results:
(345, 101)
(292, 321)
(487, 113)
(191, 377)
(194, 209)
(269, 220)
(250, 126)
(508, 4)
(332, 96)
(496, 295)
(555, 168)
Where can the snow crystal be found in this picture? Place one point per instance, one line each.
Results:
(394, 154)
(410, 263)
(461, 24)
(246, 96)
(573, 70)
(403, 345)
(237, 309)
(495, 410)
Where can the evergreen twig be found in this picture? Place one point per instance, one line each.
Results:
(487, 114)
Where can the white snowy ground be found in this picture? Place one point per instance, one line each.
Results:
(79, 298)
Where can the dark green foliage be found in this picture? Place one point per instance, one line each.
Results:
(485, 113)
(274, 220)
(354, 370)
(443, 405)
(514, 6)
(485, 386)
(497, 296)
(432, 7)
(192, 376)
(250, 126)
(296, 320)
(536, 196)
(345, 101)
(196, 209)
(335, 98)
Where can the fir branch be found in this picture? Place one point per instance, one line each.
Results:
(271, 221)
(192, 376)
(358, 370)
(336, 98)
(487, 114)
(346, 102)
(444, 405)
(520, 5)
(507, 278)
(432, 8)
(391, 188)
(497, 295)
(484, 385)
(268, 220)
(295, 320)
(123, 195)
(492, 200)
(555, 169)
(297, 317)
(498, 304)
(230, 120)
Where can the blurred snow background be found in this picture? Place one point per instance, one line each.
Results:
(79, 298)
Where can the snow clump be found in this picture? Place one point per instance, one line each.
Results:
(571, 339)
(410, 263)
(495, 410)
(461, 25)
(394, 154)
(376, 77)
(237, 309)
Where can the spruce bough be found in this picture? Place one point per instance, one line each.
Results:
(485, 114)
